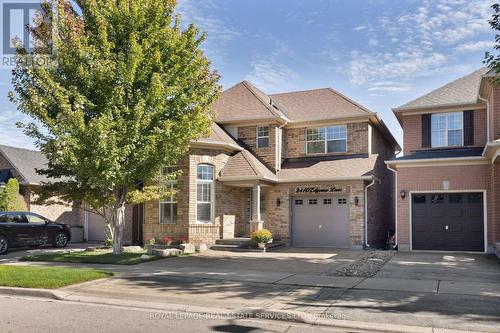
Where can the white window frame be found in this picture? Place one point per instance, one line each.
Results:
(171, 200)
(446, 130)
(263, 136)
(325, 140)
(211, 182)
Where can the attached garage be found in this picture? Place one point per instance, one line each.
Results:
(448, 221)
(97, 230)
(320, 221)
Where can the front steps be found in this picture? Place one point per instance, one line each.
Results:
(241, 244)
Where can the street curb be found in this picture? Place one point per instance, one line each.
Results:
(31, 292)
(242, 313)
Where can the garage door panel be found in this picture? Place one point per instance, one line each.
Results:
(320, 221)
(448, 221)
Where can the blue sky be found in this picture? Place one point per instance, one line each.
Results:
(380, 53)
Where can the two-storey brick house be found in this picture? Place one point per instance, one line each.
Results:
(307, 165)
(448, 181)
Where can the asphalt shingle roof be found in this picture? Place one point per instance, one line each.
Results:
(312, 168)
(26, 161)
(462, 91)
(442, 153)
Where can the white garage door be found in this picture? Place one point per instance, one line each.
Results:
(96, 227)
(320, 222)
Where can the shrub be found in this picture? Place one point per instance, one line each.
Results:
(167, 240)
(10, 199)
(108, 242)
(261, 236)
(183, 239)
(151, 241)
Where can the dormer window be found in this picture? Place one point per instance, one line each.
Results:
(262, 136)
(447, 129)
(321, 140)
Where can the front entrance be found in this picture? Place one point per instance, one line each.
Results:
(321, 221)
(447, 221)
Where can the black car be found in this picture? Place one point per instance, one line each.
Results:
(21, 229)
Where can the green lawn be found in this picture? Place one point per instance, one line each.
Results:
(46, 277)
(97, 257)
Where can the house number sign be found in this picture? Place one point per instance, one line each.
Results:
(319, 189)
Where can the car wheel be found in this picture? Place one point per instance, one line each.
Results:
(4, 245)
(61, 240)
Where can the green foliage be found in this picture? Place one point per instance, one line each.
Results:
(130, 91)
(10, 199)
(261, 236)
(493, 60)
(47, 277)
(108, 242)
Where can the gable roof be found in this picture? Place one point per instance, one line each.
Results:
(218, 137)
(318, 104)
(244, 102)
(245, 164)
(26, 161)
(462, 91)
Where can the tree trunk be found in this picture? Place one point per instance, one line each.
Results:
(118, 221)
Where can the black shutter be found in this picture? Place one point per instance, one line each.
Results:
(426, 130)
(468, 128)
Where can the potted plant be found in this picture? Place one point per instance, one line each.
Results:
(262, 237)
(168, 240)
(150, 245)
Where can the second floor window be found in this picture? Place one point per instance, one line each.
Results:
(322, 140)
(262, 136)
(447, 129)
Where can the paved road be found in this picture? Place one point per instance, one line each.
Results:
(36, 315)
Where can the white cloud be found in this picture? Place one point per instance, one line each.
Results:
(482, 45)
(205, 15)
(417, 43)
(11, 135)
(272, 76)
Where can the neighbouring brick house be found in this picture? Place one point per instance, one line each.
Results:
(307, 165)
(448, 181)
(22, 164)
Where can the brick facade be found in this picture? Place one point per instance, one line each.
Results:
(412, 131)
(479, 177)
(295, 140)
(248, 135)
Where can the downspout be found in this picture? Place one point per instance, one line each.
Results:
(487, 117)
(366, 212)
(395, 205)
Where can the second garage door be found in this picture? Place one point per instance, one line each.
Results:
(448, 221)
(320, 222)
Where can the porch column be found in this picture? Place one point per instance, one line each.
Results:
(256, 222)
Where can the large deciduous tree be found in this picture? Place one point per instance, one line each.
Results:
(493, 60)
(129, 91)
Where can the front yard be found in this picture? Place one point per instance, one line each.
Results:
(47, 277)
(92, 257)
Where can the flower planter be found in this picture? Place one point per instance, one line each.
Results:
(261, 246)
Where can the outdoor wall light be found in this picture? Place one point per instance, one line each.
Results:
(356, 200)
(278, 202)
(402, 194)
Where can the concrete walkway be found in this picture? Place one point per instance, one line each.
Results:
(448, 293)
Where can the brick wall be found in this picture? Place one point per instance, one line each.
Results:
(278, 218)
(228, 201)
(357, 140)
(495, 113)
(412, 131)
(496, 201)
(431, 178)
(380, 195)
(248, 134)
